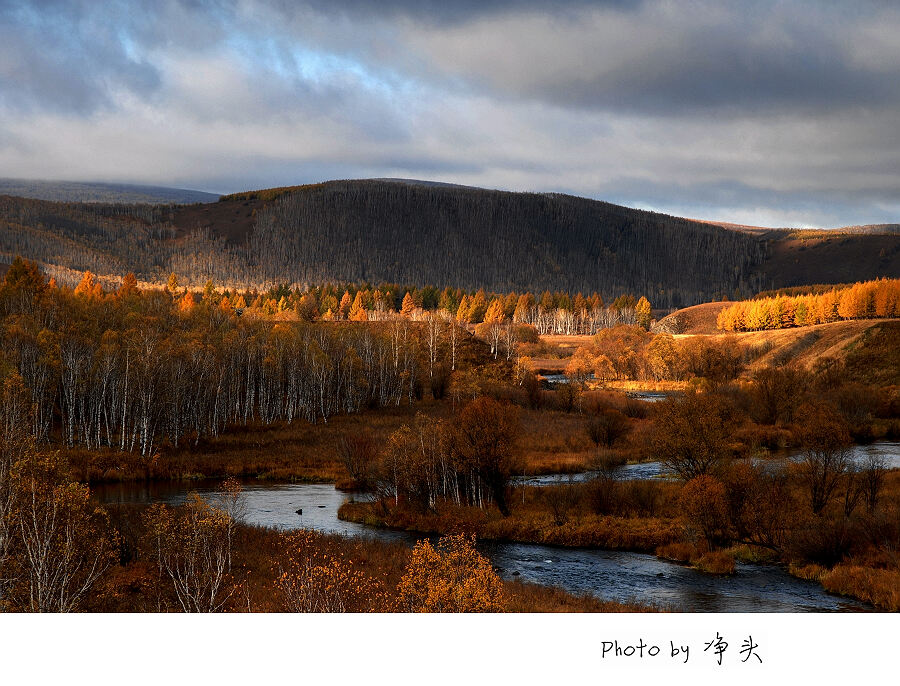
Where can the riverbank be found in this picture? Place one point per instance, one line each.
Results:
(639, 534)
(872, 581)
(366, 572)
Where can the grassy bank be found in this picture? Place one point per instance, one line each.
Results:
(526, 524)
(260, 555)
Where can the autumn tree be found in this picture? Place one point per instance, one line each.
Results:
(485, 433)
(462, 313)
(663, 358)
(307, 309)
(494, 313)
(477, 307)
(778, 391)
(357, 310)
(607, 426)
(313, 579)
(89, 287)
(346, 304)
(871, 481)
(451, 577)
(704, 502)
(761, 504)
(643, 312)
(64, 538)
(358, 453)
(691, 434)
(233, 502)
(408, 305)
(826, 454)
(191, 548)
(23, 286)
(128, 287)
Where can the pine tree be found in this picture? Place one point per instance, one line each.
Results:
(478, 307)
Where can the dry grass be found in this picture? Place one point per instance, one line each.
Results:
(550, 442)
(520, 596)
(699, 557)
(532, 522)
(698, 319)
(715, 562)
(298, 451)
(553, 442)
(880, 587)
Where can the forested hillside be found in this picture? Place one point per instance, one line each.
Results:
(73, 191)
(400, 232)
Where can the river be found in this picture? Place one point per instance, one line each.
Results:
(618, 576)
(887, 451)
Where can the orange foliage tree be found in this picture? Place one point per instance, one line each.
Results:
(452, 577)
(869, 299)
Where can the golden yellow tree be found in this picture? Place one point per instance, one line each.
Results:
(452, 577)
(643, 310)
(89, 287)
(358, 311)
(408, 306)
(314, 579)
(462, 314)
(346, 304)
(494, 313)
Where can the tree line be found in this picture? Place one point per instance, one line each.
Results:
(548, 313)
(132, 368)
(870, 299)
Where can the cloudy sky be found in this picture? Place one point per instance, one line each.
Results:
(772, 113)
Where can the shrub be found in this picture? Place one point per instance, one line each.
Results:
(453, 577)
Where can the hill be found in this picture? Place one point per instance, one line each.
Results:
(698, 319)
(72, 191)
(419, 233)
(868, 347)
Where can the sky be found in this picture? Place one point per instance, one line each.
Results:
(773, 113)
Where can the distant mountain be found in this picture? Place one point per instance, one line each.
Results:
(117, 193)
(415, 233)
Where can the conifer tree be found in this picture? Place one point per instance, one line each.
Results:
(642, 309)
(408, 305)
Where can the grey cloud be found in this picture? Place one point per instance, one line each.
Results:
(736, 202)
(776, 109)
(62, 57)
(724, 57)
(448, 13)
